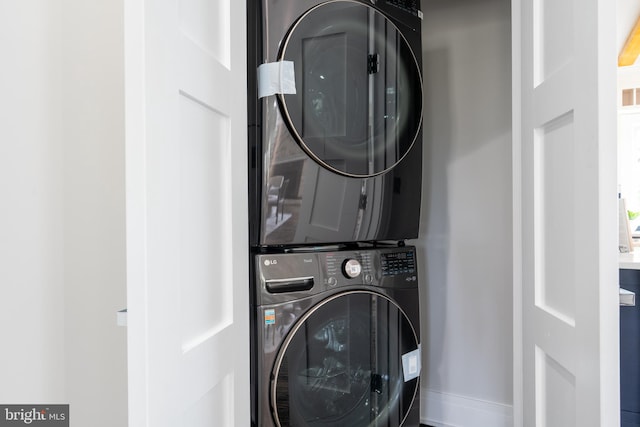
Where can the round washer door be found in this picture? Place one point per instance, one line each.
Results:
(358, 106)
(341, 365)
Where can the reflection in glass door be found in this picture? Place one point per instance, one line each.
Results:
(342, 365)
(359, 109)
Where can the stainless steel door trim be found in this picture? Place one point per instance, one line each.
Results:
(627, 298)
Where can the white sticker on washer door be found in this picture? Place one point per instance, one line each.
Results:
(276, 77)
(411, 365)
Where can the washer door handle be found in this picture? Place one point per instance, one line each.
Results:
(280, 286)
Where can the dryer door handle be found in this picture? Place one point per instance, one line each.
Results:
(279, 286)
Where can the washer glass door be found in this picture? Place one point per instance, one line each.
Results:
(341, 365)
(358, 106)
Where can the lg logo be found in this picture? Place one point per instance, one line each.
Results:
(268, 262)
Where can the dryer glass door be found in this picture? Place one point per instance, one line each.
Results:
(358, 106)
(341, 365)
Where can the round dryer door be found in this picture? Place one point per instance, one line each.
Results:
(342, 365)
(357, 109)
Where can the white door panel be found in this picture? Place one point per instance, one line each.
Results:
(186, 213)
(566, 310)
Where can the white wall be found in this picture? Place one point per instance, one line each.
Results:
(466, 215)
(31, 206)
(62, 217)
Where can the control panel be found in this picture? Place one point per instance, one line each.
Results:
(351, 268)
(307, 273)
(370, 267)
(348, 266)
(394, 263)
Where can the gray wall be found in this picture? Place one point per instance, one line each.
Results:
(62, 265)
(94, 211)
(466, 230)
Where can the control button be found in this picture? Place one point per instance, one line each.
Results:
(352, 268)
(368, 278)
(332, 281)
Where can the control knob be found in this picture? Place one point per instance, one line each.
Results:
(351, 268)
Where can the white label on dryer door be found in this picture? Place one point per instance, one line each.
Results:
(276, 77)
(411, 365)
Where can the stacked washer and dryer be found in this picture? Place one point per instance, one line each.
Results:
(335, 129)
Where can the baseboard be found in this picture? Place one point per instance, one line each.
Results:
(449, 410)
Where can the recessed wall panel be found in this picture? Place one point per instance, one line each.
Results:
(555, 393)
(207, 23)
(206, 291)
(553, 37)
(554, 229)
(215, 408)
